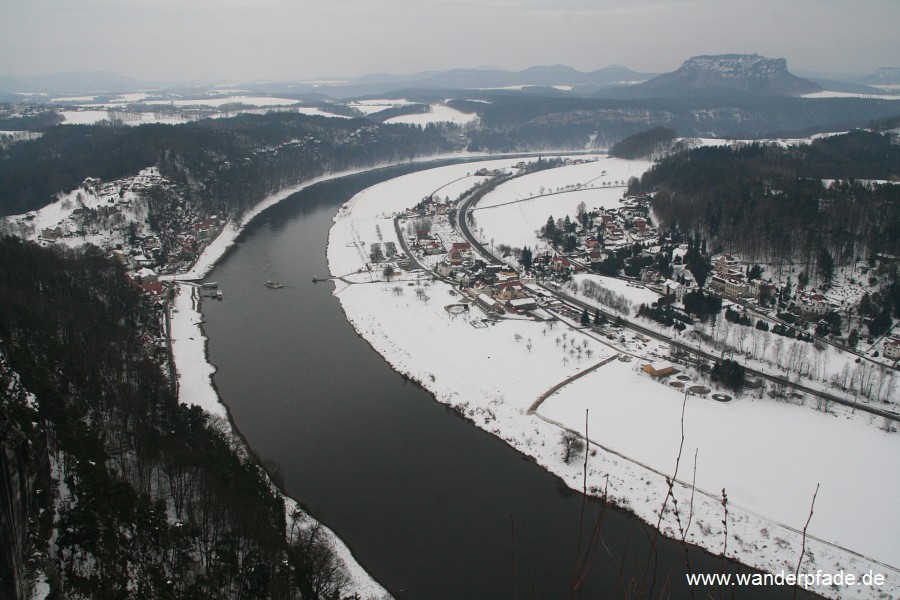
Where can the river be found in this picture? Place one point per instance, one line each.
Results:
(433, 507)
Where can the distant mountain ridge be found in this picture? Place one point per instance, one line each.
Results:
(561, 76)
(544, 76)
(700, 76)
(721, 75)
(547, 77)
(882, 76)
(73, 83)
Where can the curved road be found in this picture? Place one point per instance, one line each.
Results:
(462, 218)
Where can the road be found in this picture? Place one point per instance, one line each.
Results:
(462, 221)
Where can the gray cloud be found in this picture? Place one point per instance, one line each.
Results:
(290, 39)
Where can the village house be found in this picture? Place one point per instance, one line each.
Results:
(521, 305)
(673, 288)
(725, 263)
(52, 233)
(489, 304)
(205, 229)
(560, 264)
(651, 275)
(432, 247)
(509, 290)
(527, 277)
(146, 275)
(659, 369)
(892, 347)
(815, 304)
(461, 247)
(140, 261)
(730, 285)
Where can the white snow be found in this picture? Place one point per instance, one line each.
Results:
(439, 113)
(84, 117)
(636, 293)
(360, 581)
(117, 195)
(94, 116)
(259, 101)
(189, 351)
(74, 99)
(515, 211)
(767, 455)
(375, 105)
(41, 587)
(830, 94)
(309, 110)
(134, 97)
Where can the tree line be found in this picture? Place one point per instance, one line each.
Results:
(227, 164)
(782, 205)
(148, 498)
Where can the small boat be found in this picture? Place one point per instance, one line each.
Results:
(275, 285)
(315, 279)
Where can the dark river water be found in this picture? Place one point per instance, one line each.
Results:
(433, 507)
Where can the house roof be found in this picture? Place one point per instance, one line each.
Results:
(519, 302)
(661, 365)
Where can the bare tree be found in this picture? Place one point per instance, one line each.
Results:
(573, 446)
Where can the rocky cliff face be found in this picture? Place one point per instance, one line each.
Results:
(725, 74)
(23, 470)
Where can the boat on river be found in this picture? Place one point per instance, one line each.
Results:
(275, 285)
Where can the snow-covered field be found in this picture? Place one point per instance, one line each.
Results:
(259, 101)
(84, 112)
(93, 116)
(830, 94)
(768, 456)
(515, 211)
(371, 106)
(439, 113)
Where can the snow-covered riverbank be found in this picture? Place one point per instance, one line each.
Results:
(769, 456)
(194, 371)
(195, 386)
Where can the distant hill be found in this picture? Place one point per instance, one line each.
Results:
(882, 76)
(74, 83)
(720, 75)
(544, 76)
(559, 77)
(833, 85)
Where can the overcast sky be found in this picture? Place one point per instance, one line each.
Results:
(247, 40)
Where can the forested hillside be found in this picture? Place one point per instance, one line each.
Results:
(228, 164)
(124, 492)
(522, 122)
(782, 204)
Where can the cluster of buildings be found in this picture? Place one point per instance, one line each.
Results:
(114, 215)
(729, 279)
(627, 224)
(497, 289)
